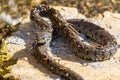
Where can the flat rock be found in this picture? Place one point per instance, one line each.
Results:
(27, 67)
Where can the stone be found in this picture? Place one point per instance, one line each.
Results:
(28, 68)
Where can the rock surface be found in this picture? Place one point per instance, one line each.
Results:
(27, 67)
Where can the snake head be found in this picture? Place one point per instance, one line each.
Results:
(42, 38)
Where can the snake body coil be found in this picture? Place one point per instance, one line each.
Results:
(69, 31)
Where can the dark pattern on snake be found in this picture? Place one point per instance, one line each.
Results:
(43, 39)
(108, 44)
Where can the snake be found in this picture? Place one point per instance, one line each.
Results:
(69, 30)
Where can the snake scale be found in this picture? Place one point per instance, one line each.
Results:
(69, 30)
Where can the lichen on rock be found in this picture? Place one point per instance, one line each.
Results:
(5, 60)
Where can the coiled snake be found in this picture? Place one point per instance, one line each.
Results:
(69, 31)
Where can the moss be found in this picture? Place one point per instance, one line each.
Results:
(4, 56)
(5, 61)
(10, 78)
